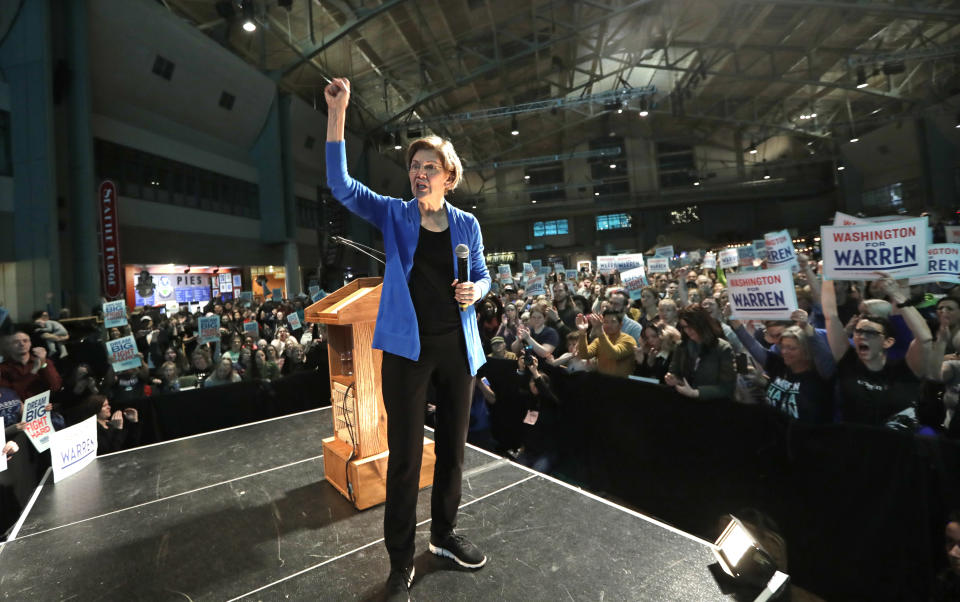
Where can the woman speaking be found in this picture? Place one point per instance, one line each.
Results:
(427, 330)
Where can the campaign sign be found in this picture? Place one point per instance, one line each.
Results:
(294, 321)
(666, 251)
(528, 270)
(842, 219)
(317, 296)
(658, 265)
(606, 264)
(114, 314)
(729, 258)
(209, 327)
(558, 268)
(73, 448)
(246, 296)
(503, 271)
(943, 265)
(250, 327)
(762, 295)
(634, 280)
(628, 261)
(3, 456)
(952, 233)
(277, 294)
(746, 255)
(780, 252)
(694, 256)
(760, 249)
(122, 353)
(314, 289)
(571, 274)
(535, 286)
(859, 252)
(36, 421)
(544, 270)
(710, 261)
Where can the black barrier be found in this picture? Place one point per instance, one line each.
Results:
(168, 417)
(862, 509)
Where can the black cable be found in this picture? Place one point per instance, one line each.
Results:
(353, 443)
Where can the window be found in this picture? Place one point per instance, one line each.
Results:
(884, 199)
(551, 228)
(675, 164)
(609, 173)
(546, 183)
(614, 221)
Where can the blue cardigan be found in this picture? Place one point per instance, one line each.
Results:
(397, 331)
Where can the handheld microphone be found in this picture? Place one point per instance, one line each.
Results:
(463, 272)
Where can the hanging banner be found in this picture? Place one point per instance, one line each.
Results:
(762, 295)
(535, 286)
(634, 280)
(658, 265)
(780, 252)
(710, 261)
(729, 258)
(943, 265)
(209, 327)
(628, 261)
(952, 234)
(122, 353)
(36, 421)
(606, 264)
(859, 252)
(666, 251)
(114, 314)
(294, 320)
(73, 448)
(111, 269)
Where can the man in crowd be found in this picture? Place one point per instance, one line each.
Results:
(612, 348)
(620, 303)
(27, 371)
(566, 310)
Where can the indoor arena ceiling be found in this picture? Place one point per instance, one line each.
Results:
(564, 72)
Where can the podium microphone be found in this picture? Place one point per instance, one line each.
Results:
(463, 272)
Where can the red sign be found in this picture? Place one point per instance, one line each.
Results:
(110, 241)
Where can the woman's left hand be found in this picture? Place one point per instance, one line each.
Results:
(684, 388)
(466, 293)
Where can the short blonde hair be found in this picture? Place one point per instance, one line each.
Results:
(443, 148)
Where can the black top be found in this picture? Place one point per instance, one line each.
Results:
(869, 397)
(806, 396)
(430, 278)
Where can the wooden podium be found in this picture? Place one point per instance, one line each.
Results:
(355, 458)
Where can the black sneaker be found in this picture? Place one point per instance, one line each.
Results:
(458, 549)
(398, 585)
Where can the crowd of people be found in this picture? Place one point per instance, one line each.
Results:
(36, 358)
(878, 352)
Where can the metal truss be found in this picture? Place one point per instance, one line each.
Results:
(613, 151)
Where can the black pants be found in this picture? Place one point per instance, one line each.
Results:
(443, 360)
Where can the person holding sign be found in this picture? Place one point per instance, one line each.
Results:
(800, 368)
(871, 389)
(702, 366)
(27, 371)
(427, 329)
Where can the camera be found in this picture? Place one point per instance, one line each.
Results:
(528, 356)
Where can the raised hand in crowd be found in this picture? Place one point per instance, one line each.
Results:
(116, 420)
(10, 448)
(39, 357)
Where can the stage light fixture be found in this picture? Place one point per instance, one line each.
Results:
(514, 129)
(744, 559)
(861, 77)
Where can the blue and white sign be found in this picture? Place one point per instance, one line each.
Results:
(558, 268)
(606, 264)
(535, 286)
(634, 280)
(710, 261)
(294, 320)
(209, 327)
(729, 258)
(536, 264)
(762, 295)
(114, 314)
(859, 252)
(122, 353)
(658, 265)
(503, 272)
(760, 249)
(73, 448)
(571, 275)
(943, 265)
(628, 261)
(780, 251)
(36, 421)
(666, 251)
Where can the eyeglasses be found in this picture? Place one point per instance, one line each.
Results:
(867, 333)
(430, 169)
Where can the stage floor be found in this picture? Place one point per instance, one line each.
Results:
(245, 513)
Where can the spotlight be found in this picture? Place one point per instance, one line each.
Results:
(514, 130)
(861, 77)
(752, 149)
(743, 558)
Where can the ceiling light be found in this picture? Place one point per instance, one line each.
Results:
(397, 147)
(766, 174)
(696, 183)
(514, 130)
(526, 177)
(596, 194)
(861, 77)
(840, 167)
(854, 139)
(958, 121)
(613, 166)
(534, 201)
(644, 107)
(644, 112)
(752, 149)
(249, 24)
